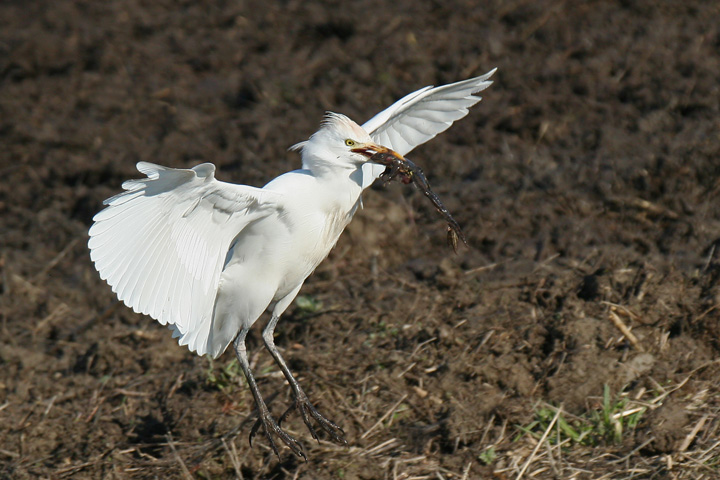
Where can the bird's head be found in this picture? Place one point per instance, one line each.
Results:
(340, 143)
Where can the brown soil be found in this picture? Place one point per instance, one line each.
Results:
(587, 182)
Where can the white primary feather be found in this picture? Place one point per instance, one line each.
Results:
(162, 243)
(420, 116)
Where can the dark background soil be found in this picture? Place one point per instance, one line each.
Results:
(588, 177)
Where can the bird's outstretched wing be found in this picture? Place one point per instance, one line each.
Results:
(161, 244)
(420, 116)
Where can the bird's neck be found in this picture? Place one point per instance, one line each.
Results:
(343, 186)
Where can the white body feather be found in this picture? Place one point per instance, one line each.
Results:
(207, 258)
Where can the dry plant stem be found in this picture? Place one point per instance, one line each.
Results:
(233, 455)
(691, 436)
(183, 467)
(382, 419)
(540, 442)
(625, 330)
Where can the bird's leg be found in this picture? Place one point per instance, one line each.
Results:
(265, 420)
(302, 403)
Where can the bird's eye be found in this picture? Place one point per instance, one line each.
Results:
(349, 142)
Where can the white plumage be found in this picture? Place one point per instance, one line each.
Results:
(207, 258)
(420, 116)
(162, 244)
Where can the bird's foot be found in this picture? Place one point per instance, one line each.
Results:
(307, 410)
(270, 427)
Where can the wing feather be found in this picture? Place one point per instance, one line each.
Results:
(420, 116)
(162, 243)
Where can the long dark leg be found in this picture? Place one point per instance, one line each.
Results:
(269, 424)
(302, 403)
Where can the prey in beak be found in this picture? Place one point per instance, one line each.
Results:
(398, 167)
(370, 149)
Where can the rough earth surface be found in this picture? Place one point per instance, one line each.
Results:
(587, 182)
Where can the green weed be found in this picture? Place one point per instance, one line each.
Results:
(307, 305)
(488, 456)
(605, 425)
(224, 378)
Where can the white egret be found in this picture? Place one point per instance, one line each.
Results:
(207, 258)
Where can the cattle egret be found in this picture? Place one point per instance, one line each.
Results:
(207, 258)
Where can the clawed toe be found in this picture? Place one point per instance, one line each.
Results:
(271, 427)
(307, 410)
